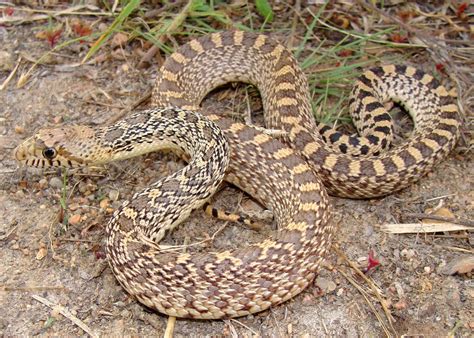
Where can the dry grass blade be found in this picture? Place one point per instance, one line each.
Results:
(415, 228)
(62, 310)
(170, 327)
(10, 76)
(374, 289)
(461, 221)
(46, 14)
(372, 307)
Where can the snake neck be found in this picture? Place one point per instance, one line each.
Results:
(176, 129)
(157, 129)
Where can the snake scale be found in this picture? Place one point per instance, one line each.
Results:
(286, 174)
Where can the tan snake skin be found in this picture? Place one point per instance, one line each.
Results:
(251, 279)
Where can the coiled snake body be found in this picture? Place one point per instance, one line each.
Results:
(284, 175)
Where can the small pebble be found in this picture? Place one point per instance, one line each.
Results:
(308, 300)
(84, 275)
(325, 284)
(400, 305)
(7, 61)
(19, 130)
(82, 187)
(125, 68)
(43, 183)
(114, 195)
(42, 252)
(119, 39)
(56, 182)
(104, 204)
(73, 206)
(74, 219)
(408, 253)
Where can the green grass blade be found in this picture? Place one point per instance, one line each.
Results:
(125, 13)
(264, 9)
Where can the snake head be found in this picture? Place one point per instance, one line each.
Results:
(69, 147)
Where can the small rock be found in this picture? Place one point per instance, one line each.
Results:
(104, 204)
(58, 119)
(42, 252)
(459, 265)
(119, 39)
(308, 300)
(453, 296)
(125, 68)
(325, 284)
(43, 183)
(399, 289)
(73, 206)
(19, 130)
(400, 305)
(408, 253)
(7, 61)
(74, 219)
(84, 275)
(114, 195)
(56, 182)
(82, 187)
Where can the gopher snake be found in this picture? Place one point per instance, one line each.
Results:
(281, 175)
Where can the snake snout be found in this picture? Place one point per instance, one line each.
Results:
(20, 153)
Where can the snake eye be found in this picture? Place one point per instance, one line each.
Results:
(49, 153)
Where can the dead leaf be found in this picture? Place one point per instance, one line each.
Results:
(42, 252)
(442, 212)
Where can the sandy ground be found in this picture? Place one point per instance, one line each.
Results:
(66, 265)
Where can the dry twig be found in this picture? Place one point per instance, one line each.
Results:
(62, 310)
(374, 290)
